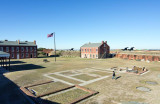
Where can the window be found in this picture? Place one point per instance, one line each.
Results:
(31, 49)
(104, 45)
(22, 55)
(1, 48)
(17, 49)
(96, 55)
(22, 49)
(85, 50)
(85, 56)
(90, 56)
(96, 50)
(93, 56)
(12, 55)
(12, 49)
(34, 54)
(90, 50)
(26, 49)
(82, 50)
(7, 49)
(34, 49)
(27, 55)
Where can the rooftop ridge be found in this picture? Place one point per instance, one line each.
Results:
(17, 43)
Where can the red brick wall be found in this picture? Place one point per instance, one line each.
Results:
(20, 52)
(88, 52)
(104, 49)
(101, 50)
(136, 57)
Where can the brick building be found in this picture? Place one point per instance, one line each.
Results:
(95, 50)
(19, 49)
(48, 51)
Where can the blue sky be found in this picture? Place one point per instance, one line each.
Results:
(119, 22)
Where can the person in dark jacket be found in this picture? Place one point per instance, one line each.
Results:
(113, 77)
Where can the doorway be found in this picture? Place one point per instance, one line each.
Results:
(17, 55)
(31, 55)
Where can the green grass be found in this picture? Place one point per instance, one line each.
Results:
(49, 87)
(110, 90)
(101, 73)
(68, 73)
(65, 79)
(68, 96)
(84, 77)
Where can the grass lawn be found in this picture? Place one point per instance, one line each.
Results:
(68, 96)
(84, 77)
(65, 79)
(28, 71)
(68, 73)
(101, 73)
(49, 87)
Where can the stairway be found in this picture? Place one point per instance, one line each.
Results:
(104, 55)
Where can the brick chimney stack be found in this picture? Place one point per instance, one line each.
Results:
(106, 42)
(34, 41)
(102, 42)
(18, 41)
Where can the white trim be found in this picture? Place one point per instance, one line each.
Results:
(3, 55)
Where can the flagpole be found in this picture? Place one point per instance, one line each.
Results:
(55, 46)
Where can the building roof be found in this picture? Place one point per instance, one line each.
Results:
(4, 54)
(92, 45)
(15, 43)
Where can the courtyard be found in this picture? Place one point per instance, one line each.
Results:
(92, 74)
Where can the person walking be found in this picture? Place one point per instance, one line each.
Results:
(113, 77)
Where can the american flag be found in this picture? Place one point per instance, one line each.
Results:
(50, 35)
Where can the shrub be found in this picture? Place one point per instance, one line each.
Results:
(138, 59)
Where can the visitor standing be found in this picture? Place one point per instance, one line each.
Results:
(113, 77)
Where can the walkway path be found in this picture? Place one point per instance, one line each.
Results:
(78, 72)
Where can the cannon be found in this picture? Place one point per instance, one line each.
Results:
(72, 49)
(125, 49)
(131, 49)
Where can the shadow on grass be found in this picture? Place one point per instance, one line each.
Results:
(15, 62)
(10, 93)
(49, 56)
(118, 77)
(42, 101)
(42, 57)
(25, 67)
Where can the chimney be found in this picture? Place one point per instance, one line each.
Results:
(5, 40)
(102, 42)
(18, 41)
(106, 42)
(34, 41)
